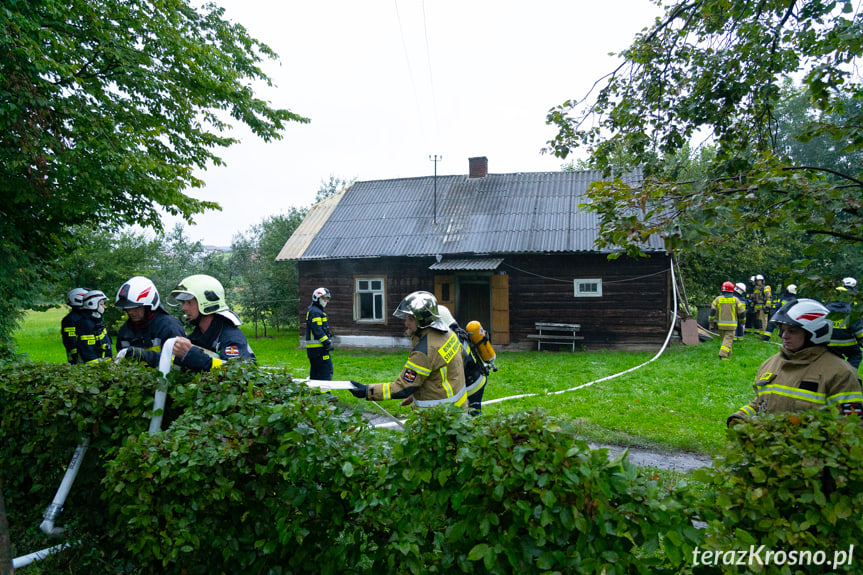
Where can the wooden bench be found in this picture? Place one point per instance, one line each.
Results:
(556, 333)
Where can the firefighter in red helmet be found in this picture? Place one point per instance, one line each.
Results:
(725, 311)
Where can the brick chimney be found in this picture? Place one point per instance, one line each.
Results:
(478, 167)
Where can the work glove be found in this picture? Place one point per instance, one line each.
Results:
(328, 345)
(360, 390)
(130, 353)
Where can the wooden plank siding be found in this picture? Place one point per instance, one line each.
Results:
(632, 312)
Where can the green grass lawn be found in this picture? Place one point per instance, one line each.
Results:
(678, 401)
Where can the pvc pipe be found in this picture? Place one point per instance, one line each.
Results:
(165, 361)
(37, 555)
(53, 511)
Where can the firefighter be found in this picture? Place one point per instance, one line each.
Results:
(725, 313)
(762, 301)
(847, 337)
(434, 372)
(475, 369)
(149, 324)
(788, 294)
(319, 342)
(803, 375)
(69, 323)
(217, 337)
(94, 343)
(740, 294)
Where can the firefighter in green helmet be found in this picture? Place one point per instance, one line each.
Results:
(217, 337)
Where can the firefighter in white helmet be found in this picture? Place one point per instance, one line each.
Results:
(319, 342)
(94, 343)
(217, 337)
(803, 375)
(434, 372)
(69, 323)
(149, 324)
(762, 299)
(847, 338)
(788, 295)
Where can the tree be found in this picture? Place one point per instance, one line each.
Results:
(331, 187)
(714, 69)
(106, 109)
(267, 288)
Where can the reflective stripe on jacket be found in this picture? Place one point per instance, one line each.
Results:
(807, 379)
(433, 373)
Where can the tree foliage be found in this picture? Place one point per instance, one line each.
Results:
(267, 288)
(712, 71)
(107, 107)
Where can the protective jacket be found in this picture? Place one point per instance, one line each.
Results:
(223, 340)
(809, 378)
(69, 332)
(158, 327)
(94, 343)
(726, 310)
(845, 332)
(433, 373)
(317, 328)
(761, 297)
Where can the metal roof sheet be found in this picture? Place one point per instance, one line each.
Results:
(454, 215)
(477, 264)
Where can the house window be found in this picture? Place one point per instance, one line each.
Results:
(588, 287)
(369, 298)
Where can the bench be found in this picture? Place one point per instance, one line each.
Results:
(556, 333)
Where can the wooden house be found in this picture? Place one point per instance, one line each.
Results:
(508, 250)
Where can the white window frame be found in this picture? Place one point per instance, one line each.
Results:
(379, 314)
(593, 287)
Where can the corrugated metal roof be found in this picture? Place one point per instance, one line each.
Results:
(497, 214)
(476, 264)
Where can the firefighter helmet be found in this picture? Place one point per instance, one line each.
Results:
(740, 288)
(849, 283)
(95, 302)
(792, 289)
(319, 293)
(422, 306)
(446, 316)
(75, 297)
(137, 292)
(727, 286)
(808, 314)
(759, 277)
(207, 290)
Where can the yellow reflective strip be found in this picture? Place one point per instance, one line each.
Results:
(385, 391)
(446, 384)
(217, 363)
(748, 410)
(418, 368)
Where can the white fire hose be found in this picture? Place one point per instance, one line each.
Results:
(52, 513)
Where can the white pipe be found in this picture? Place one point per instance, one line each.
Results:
(37, 555)
(165, 361)
(53, 511)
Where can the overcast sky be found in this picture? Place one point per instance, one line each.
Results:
(388, 83)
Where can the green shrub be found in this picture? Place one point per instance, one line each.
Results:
(789, 482)
(519, 494)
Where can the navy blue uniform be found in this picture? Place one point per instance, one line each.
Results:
(94, 343)
(223, 339)
(148, 337)
(318, 343)
(69, 332)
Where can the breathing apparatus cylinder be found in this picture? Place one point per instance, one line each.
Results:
(481, 342)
